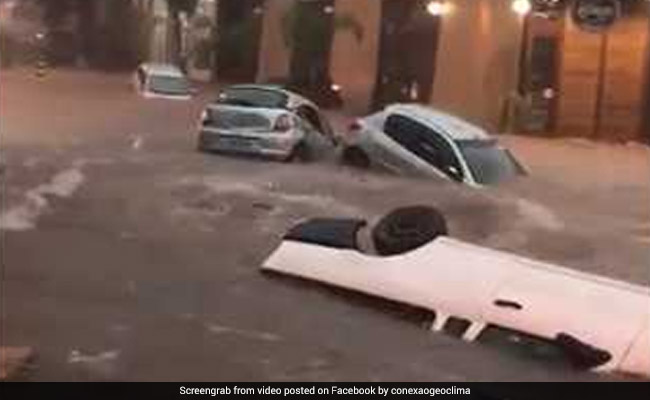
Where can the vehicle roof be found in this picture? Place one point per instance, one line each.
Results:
(163, 69)
(455, 127)
(293, 99)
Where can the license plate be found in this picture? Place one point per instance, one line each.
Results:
(237, 143)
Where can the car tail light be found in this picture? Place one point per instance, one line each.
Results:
(283, 123)
(355, 128)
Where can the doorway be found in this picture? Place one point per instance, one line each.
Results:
(407, 52)
(539, 83)
(239, 26)
(312, 32)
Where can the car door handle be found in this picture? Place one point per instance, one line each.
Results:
(508, 304)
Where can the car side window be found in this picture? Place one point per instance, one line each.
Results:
(424, 143)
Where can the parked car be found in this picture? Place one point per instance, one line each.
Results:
(263, 120)
(411, 138)
(594, 322)
(161, 81)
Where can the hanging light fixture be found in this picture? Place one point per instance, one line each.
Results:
(521, 7)
(438, 7)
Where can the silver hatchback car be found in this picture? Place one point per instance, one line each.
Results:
(412, 138)
(263, 120)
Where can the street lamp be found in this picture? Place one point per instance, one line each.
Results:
(521, 7)
(438, 8)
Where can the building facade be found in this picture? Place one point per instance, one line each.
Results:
(544, 67)
(489, 61)
(464, 61)
(602, 76)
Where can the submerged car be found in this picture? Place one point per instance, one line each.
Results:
(595, 322)
(162, 81)
(411, 138)
(263, 120)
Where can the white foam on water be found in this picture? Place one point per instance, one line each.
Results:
(243, 333)
(25, 215)
(539, 215)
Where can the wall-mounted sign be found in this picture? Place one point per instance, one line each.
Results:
(595, 15)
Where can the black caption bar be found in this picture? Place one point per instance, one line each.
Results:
(468, 391)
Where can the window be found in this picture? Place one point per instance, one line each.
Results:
(237, 120)
(543, 63)
(489, 163)
(424, 143)
(253, 97)
(168, 85)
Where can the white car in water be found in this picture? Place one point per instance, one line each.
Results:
(263, 120)
(591, 321)
(412, 138)
(161, 81)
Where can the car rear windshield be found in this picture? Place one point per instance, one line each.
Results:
(174, 85)
(237, 120)
(253, 97)
(488, 162)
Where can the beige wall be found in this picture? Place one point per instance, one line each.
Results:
(353, 63)
(623, 76)
(477, 65)
(477, 60)
(274, 55)
(621, 114)
(578, 81)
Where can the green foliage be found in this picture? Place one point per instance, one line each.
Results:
(300, 30)
(202, 22)
(203, 53)
(237, 41)
(347, 22)
(186, 6)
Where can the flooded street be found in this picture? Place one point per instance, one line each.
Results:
(128, 255)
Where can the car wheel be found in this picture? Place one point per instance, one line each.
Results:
(300, 152)
(355, 157)
(407, 228)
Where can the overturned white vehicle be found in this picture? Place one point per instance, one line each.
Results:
(596, 322)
